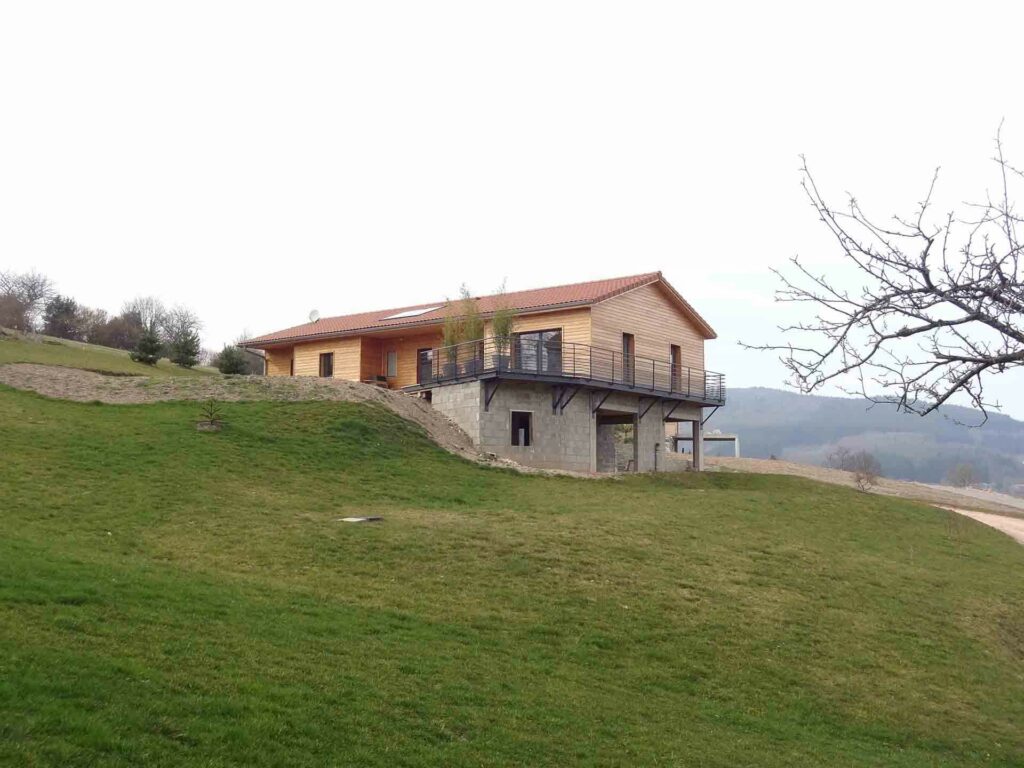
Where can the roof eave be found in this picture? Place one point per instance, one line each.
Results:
(286, 341)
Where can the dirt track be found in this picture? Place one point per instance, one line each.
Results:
(1011, 526)
(939, 495)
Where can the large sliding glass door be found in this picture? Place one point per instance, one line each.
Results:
(538, 352)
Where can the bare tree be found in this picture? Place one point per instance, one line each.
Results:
(181, 328)
(865, 469)
(14, 313)
(941, 307)
(148, 310)
(863, 465)
(963, 476)
(32, 290)
(839, 458)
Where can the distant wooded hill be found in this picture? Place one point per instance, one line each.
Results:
(807, 428)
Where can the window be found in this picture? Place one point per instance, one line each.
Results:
(392, 364)
(522, 428)
(628, 357)
(424, 365)
(538, 351)
(327, 365)
(676, 356)
(410, 313)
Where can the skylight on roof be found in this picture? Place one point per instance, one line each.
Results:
(410, 313)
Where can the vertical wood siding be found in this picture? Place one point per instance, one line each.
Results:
(346, 357)
(653, 319)
(279, 361)
(406, 347)
(370, 362)
(575, 324)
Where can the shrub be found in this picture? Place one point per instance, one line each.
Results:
(472, 323)
(502, 323)
(211, 411)
(866, 470)
(231, 360)
(963, 476)
(864, 466)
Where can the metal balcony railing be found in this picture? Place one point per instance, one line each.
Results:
(550, 360)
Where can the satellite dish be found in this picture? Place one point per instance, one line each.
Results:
(314, 316)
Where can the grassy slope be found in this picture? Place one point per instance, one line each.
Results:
(45, 350)
(170, 597)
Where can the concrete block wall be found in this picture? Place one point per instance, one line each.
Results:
(567, 440)
(559, 441)
(606, 453)
(463, 404)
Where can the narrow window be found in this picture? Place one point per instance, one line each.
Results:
(676, 356)
(327, 365)
(291, 367)
(628, 357)
(392, 369)
(424, 365)
(522, 428)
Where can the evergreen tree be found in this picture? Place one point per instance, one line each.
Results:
(61, 318)
(231, 360)
(185, 348)
(149, 347)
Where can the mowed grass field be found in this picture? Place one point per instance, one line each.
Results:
(170, 597)
(46, 350)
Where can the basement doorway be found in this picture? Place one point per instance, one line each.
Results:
(616, 442)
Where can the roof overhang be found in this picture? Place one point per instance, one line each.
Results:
(390, 329)
(653, 278)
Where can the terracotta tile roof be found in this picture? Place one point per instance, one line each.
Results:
(538, 299)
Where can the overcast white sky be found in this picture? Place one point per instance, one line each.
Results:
(256, 161)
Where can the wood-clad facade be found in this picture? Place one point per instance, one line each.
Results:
(347, 357)
(589, 358)
(278, 361)
(661, 326)
(655, 322)
(573, 323)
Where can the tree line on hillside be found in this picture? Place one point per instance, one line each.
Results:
(145, 328)
(807, 429)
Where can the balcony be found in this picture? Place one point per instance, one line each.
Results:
(558, 362)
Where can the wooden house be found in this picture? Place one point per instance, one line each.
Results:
(581, 359)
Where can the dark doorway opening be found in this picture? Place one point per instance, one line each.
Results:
(424, 365)
(616, 442)
(327, 365)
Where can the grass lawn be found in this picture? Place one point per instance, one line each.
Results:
(169, 597)
(46, 350)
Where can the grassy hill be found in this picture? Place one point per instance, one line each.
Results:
(46, 350)
(805, 428)
(170, 597)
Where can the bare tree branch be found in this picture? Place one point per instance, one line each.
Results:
(932, 319)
